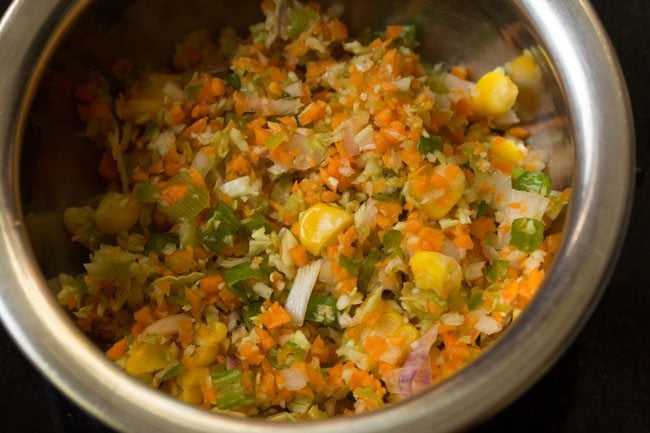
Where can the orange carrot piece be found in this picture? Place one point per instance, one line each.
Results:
(118, 349)
(299, 255)
(275, 316)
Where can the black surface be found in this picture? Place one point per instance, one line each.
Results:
(602, 383)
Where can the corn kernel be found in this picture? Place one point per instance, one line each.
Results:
(524, 71)
(320, 225)
(435, 271)
(205, 355)
(408, 332)
(495, 94)
(194, 377)
(506, 150)
(116, 212)
(212, 334)
(146, 358)
(443, 192)
(191, 395)
(387, 324)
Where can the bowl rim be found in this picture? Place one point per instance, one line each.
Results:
(580, 52)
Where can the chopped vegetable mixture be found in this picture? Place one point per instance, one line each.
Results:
(300, 224)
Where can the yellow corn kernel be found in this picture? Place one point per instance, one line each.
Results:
(494, 94)
(191, 395)
(211, 334)
(387, 324)
(116, 212)
(506, 150)
(194, 377)
(435, 271)
(205, 355)
(147, 358)
(442, 188)
(319, 226)
(524, 71)
(408, 332)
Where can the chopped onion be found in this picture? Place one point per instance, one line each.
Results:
(364, 137)
(294, 379)
(169, 325)
(231, 362)
(241, 186)
(270, 107)
(294, 90)
(349, 144)
(453, 82)
(173, 91)
(474, 271)
(453, 319)
(238, 138)
(416, 373)
(364, 217)
(403, 84)
(487, 325)
(163, 143)
(204, 160)
(303, 284)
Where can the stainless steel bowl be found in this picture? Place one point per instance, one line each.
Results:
(583, 115)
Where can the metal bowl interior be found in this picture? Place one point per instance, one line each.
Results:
(577, 113)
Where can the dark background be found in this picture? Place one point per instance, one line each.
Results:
(602, 383)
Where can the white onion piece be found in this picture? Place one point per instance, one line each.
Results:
(415, 376)
(303, 284)
(349, 144)
(487, 325)
(269, 107)
(165, 142)
(173, 91)
(294, 90)
(294, 379)
(169, 325)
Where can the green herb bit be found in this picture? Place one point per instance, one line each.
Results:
(253, 309)
(194, 199)
(431, 144)
(408, 36)
(230, 390)
(527, 234)
(239, 121)
(322, 309)
(300, 19)
(256, 222)
(368, 35)
(145, 192)
(273, 141)
(151, 130)
(178, 300)
(173, 372)
(242, 272)
(476, 300)
(539, 183)
(158, 241)
(350, 265)
(482, 209)
(391, 240)
(233, 81)
(437, 86)
(497, 270)
(367, 270)
(191, 90)
(216, 233)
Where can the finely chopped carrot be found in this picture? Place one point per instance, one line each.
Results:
(300, 218)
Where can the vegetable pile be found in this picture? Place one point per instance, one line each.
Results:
(300, 224)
